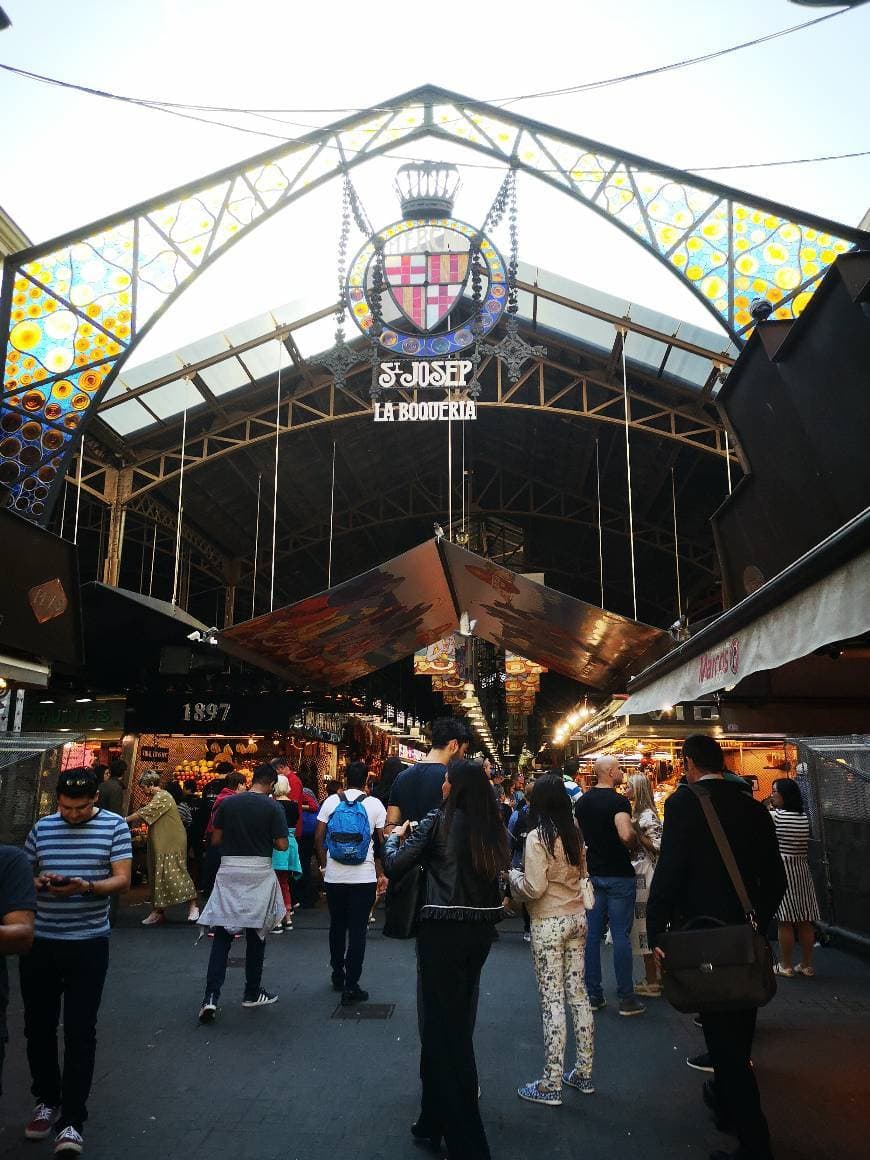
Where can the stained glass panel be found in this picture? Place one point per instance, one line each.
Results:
(71, 312)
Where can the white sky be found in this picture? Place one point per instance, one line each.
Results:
(68, 159)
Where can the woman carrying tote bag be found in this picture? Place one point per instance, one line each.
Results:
(550, 884)
(463, 849)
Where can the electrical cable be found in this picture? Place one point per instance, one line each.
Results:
(189, 110)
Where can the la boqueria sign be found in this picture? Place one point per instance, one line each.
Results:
(459, 412)
(425, 374)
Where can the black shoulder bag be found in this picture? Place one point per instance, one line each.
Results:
(403, 902)
(714, 966)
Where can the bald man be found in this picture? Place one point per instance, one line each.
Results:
(604, 817)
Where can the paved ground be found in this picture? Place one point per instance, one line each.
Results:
(291, 1083)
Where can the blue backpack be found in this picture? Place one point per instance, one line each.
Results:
(349, 832)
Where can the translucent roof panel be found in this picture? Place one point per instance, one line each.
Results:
(224, 376)
(127, 418)
(170, 399)
(262, 357)
(645, 352)
(155, 368)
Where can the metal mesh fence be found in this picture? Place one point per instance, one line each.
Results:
(29, 764)
(834, 776)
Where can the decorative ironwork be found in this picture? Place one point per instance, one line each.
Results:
(427, 189)
(341, 358)
(514, 351)
(73, 308)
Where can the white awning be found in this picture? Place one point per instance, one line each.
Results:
(834, 608)
(26, 672)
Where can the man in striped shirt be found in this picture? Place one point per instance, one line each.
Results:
(81, 856)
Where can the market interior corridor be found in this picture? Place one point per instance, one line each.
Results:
(292, 1083)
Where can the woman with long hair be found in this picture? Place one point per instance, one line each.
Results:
(648, 827)
(463, 849)
(800, 906)
(549, 885)
(391, 769)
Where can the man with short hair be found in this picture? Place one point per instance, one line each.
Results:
(571, 779)
(351, 889)
(112, 788)
(691, 881)
(604, 817)
(247, 827)
(17, 907)
(80, 857)
(417, 789)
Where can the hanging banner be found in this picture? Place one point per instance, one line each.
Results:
(438, 659)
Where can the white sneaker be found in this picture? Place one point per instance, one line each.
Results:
(263, 999)
(68, 1142)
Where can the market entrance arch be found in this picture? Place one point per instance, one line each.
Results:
(74, 308)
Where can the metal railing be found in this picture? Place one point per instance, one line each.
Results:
(834, 777)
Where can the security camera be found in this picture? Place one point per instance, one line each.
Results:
(196, 635)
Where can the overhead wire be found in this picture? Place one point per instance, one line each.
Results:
(191, 111)
(587, 86)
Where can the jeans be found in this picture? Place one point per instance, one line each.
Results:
(451, 957)
(729, 1041)
(255, 952)
(210, 866)
(72, 971)
(304, 885)
(350, 904)
(614, 903)
(557, 950)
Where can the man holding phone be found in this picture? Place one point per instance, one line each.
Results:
(80, 856)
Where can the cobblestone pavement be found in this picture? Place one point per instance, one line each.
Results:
(292, 1082)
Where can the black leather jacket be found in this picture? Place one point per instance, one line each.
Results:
(454, 891)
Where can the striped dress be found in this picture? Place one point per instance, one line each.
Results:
(793, 835)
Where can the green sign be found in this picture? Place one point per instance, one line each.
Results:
(42, 715)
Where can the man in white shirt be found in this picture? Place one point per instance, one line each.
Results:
(351, 887)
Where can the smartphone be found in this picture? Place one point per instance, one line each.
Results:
(59, 880)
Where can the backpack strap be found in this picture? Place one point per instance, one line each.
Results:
(727, 854)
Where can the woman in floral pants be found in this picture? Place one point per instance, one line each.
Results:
(549, 885)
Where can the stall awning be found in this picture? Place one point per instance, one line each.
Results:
(835, 607)
(423, 595)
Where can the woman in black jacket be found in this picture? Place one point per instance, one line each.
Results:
(463, 847)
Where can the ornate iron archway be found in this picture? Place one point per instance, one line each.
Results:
(73, 308)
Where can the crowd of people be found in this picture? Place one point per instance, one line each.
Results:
(580, 866)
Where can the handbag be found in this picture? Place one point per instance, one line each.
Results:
(402, 903)
(587, 893)
(711, 965)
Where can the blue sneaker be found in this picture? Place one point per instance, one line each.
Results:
(535, 1094)
(572, 1079)
(597, 1003)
